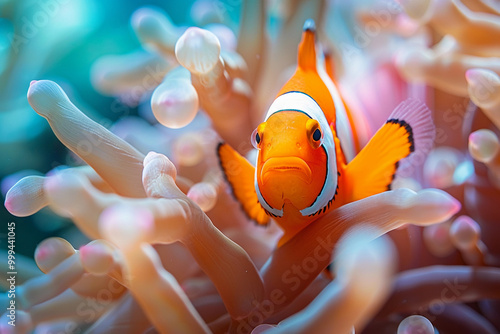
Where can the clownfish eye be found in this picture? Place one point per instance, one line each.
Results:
(258, 136)
(314, 133)
(256, 139)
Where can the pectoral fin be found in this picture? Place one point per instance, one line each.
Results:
(409, 130)
(240, 175)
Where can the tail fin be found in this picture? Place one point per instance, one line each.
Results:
(409, 130)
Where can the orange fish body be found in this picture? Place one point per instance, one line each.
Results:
(301, 171)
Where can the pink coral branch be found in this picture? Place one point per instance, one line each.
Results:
(484, 147)
(155, 30)
(476, 32)
(52, 284)
(459, 318)
(417, 289)
(69, 305)
(65, 268)
(445, 72)
(251, 38)
(26, 197)
(123, 75)
(416, 324)
(111, 157)
(175, 101)
(119, 318)
(224, 98)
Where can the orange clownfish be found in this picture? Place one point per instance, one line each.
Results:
(304, 170)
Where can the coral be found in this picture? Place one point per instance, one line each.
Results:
(162, 246)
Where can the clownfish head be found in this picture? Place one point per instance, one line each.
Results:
(296, 161)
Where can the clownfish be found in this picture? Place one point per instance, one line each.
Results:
(304, 170)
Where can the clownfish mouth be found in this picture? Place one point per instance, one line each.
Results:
(286, 166)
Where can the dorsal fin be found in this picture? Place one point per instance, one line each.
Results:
(307, 49)
(306, 78)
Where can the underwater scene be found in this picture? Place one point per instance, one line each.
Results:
(250, 166)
